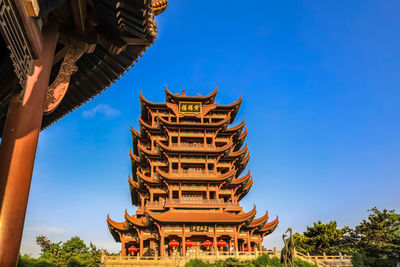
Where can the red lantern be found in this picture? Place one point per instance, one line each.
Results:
(207, 243)
(246, 249)
(173, 243)
(132, 249)
(189, 243)
(221, 243)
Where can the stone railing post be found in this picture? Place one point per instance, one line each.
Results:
(256, 250)
(275, 252)
(324, 256)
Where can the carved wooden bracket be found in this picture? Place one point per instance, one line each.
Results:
(59, 87)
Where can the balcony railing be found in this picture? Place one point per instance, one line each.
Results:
(194, 172)
(200, 202)
(191, 201)
(184, 144)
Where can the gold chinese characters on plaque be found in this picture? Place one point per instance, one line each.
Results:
(190, 107)
(199, 228)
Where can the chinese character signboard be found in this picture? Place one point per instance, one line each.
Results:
(190, 107)
(199, 228)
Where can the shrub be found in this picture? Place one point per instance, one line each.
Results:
(196, 263)
(358, 260)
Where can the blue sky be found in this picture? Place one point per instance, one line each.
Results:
(320, 82)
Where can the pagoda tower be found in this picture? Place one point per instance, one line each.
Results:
(187, 181)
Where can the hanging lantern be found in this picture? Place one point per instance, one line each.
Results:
(132, 249)
(221, 244)
(189, 243)
(207, 243)
(173, 243)
(246, 249)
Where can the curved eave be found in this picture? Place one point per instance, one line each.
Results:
(133, 186)
(193, 150)
(135, 161)
(135, 133)
(114, 227)
(239, 153)
(202, 217)
(182, 177)
(223, 123)
(145, 102)
(134, 157)
(235, 106)
(146, 178)
(237, 128)
(175, 98)
(235, 131)
(133, 183)
(142, 222)
(143, 150)
(246, 189)
(243, 164)
(259, 222)
(135, 138)
(240, 140)
(242, 179)
(146, 126)
(270, 226)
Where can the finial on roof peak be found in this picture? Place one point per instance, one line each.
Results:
(183, 93)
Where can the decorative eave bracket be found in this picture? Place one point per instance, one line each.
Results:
(59, 87)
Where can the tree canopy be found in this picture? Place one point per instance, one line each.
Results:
(73, 252)
(375, 241)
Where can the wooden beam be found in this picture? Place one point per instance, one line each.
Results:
(135, 41)
(31, 28)
(79, 14)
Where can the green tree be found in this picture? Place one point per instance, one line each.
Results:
(378, 238)
(321, 238)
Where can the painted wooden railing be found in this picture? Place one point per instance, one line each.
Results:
(177, 260)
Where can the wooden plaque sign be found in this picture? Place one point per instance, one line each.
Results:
(190, 107)
(199, 228)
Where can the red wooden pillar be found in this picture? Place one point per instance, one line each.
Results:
(162, 249)
(141, 243)
(215, 238)
(183, 245)
(18, 149)
(123, 245)
(236, 238)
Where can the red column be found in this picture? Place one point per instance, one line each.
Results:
(236, 239)
(18, 149)
(141, 243)
(162, 249)
(183, 245)
(123, 246)
(215, 238)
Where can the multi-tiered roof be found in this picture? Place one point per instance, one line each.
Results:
(187, 164)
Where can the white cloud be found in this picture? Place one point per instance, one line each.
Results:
(101, 109)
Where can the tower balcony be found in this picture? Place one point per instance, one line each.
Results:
(195, 172)
(192, 145)
(201, 203)
(190, 203)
